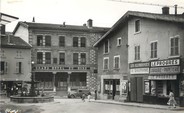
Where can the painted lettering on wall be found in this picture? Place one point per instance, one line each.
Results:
(166, 70)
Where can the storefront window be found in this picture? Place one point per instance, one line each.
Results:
(146, 87)
(153, 87)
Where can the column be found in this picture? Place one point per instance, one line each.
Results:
(54, 80)
(68, 82)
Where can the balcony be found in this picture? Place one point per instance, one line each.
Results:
(57, 67)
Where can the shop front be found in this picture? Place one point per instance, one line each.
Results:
(139, 72)
(165, 75)
(113, 87)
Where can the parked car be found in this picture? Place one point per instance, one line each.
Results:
(76, 93)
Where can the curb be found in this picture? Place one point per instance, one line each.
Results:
(154, 107)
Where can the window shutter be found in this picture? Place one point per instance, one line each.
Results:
(6, 67)
(17, 67)
(22, 70)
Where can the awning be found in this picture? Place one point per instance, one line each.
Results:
(162, 77)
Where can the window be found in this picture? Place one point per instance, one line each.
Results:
(117, 62)
(61, 41)
(119, 41)
(39, 40)
(83, 42)
(54, 60)
(174, 46)
(19, 67)
(106, 63)
(47, 58)
(83, 58)
(137, 25)
(4, 67)
(137, 52)
(62, 58)
(75, 41)
(154, 50)
(75, 58)
(39, 58)
(47, 40)
(106, 46)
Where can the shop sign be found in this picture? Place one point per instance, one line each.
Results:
(167, 70)
(162, 77)
(140, 64)
(168, 62)
(139, 71)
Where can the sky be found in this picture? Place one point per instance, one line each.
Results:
(104, 13)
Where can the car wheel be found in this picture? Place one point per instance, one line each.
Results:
(72, 96)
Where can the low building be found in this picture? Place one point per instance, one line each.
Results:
(15, 60)
(63, 54)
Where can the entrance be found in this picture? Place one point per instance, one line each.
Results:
(136, 89)
(111, 88)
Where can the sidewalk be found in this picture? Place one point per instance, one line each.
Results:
(143, 105)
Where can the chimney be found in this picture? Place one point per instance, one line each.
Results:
(90, 23)
(64, 24)
(165, 10)
(33, 19)
(3, 27)
(175, 7)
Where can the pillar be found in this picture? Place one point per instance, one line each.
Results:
(68, 82)
(53, 81)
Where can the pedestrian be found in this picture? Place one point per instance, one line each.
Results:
(89, 96)
(83, 97)
(95, 94)
(171, 101)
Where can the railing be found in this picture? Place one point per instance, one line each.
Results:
(57, 67)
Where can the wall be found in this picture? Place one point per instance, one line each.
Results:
(152, 30)
(22, 32)
(10, 56)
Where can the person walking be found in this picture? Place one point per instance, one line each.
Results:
(89, 96)
(95, 94)
(83, 97)
(171, 101)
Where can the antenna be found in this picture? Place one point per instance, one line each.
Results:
(142, 3)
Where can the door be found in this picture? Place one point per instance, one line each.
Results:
(139, 89)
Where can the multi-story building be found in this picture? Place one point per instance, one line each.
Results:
(64, 55)
(155, 54)
(113, 63)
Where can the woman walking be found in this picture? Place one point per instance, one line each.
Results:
(172, 101)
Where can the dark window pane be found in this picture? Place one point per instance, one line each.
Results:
(83, 58)
(39, 58)
(47, 40)
(106, 46)
(61, 41)
(75, 59)
(39, 40)
(47, 58)
(75, 41)
(62, 58)
(83, 42)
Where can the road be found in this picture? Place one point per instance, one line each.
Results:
(77, 106)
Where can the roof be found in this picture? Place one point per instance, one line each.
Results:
(10, 41)
(48, 26)
(5, 18)
(154, 16)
